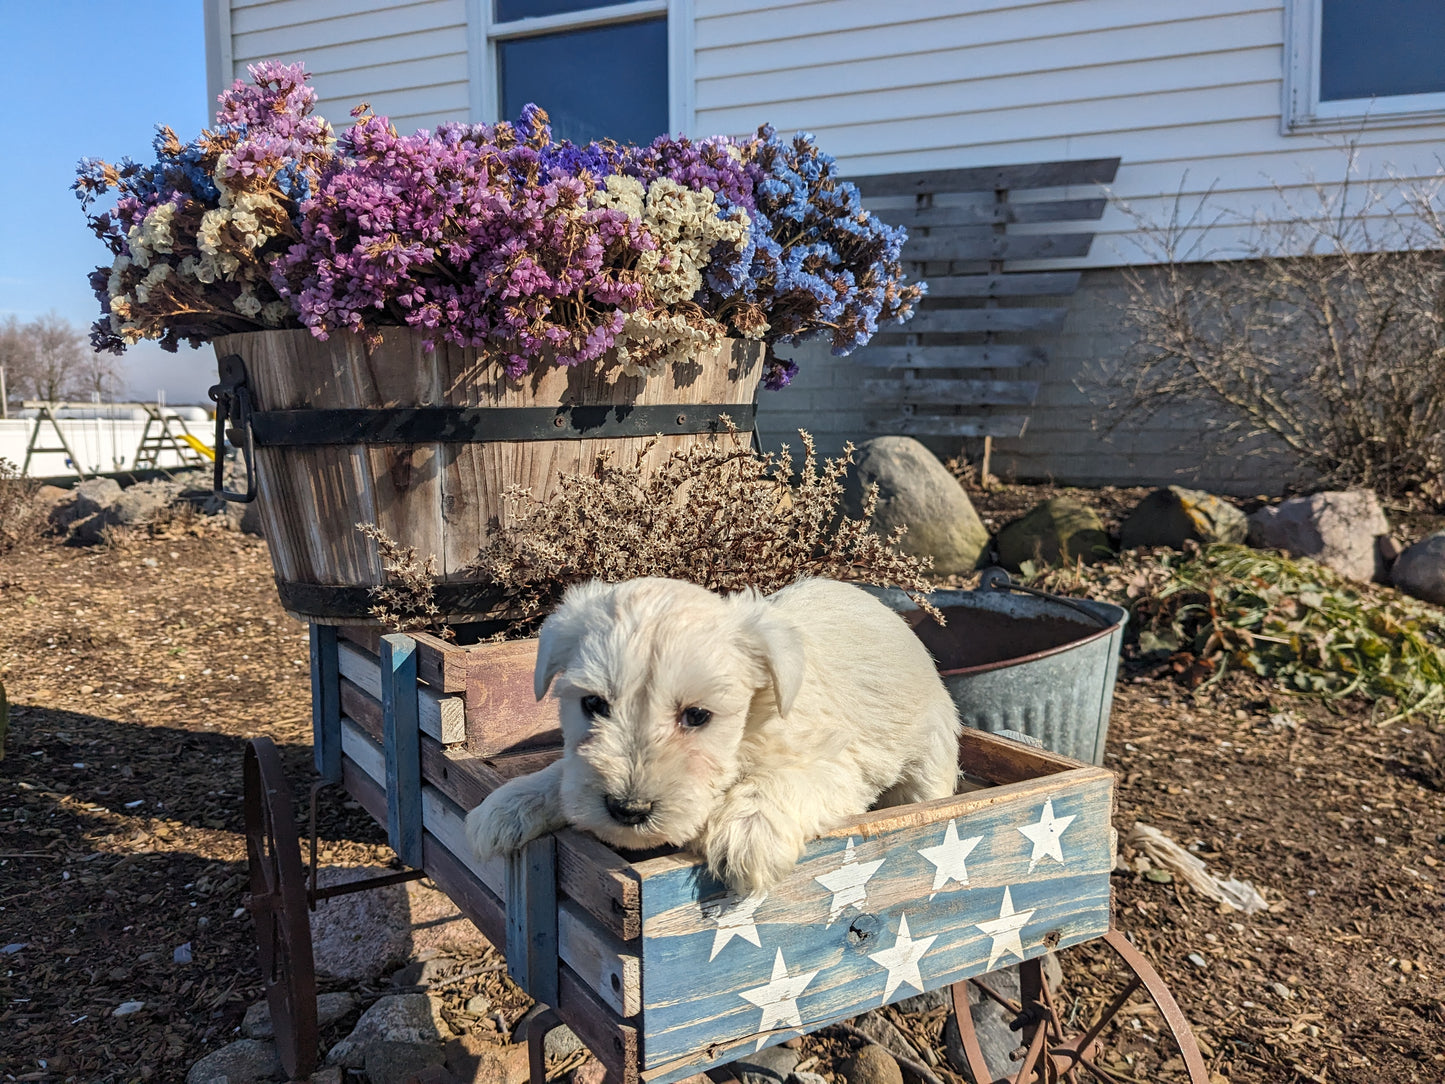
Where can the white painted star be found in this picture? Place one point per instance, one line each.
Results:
(950, 857)
(902, 960)
(734, 918)
(1045, 835)
(1005, 930)
(847, 883)
(779, 998)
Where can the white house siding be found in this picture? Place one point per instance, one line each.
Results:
(1188, 93)
(407, 59)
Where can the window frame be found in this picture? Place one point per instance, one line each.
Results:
(1303, 111)
(484, 33)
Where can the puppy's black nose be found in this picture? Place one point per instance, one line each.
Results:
(628, 811)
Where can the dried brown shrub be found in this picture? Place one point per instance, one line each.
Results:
(406, 602)
(1328, 343)
(20, 517)
(717, 514)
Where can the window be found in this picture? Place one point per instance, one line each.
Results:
(1376, 61)
(600, 69)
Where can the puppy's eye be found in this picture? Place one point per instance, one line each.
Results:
(594, 707)
(695, 717)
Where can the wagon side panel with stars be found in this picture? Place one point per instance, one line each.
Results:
(875, 912)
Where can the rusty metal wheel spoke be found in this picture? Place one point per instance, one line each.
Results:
(277, 902)
(1057, 1053)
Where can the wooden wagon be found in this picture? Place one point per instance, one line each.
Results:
(652, 963)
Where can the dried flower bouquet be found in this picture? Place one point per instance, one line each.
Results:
(487, 236)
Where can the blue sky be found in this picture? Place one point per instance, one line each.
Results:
(90, 79)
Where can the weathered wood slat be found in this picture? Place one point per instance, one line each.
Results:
(934, 391)
(503, 713)
(600, 880)
(988, 211)
(991, 356)
(971, 321)
(587, 871)
(401, 743)
(832, 924)
(948, 425)
(977, 247)
(590, 951)
(1006, 284)
(440, 664)
(441, 717)
(532, 919)
(325, 702)
(991, 178)
(617, 1045)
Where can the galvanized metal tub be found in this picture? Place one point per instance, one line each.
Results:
(1016, 659)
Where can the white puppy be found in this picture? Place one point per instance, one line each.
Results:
(739, 726)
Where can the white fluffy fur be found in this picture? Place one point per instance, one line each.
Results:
(823, 705)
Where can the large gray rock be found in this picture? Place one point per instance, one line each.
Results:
(881, 1030)
(1058, 531)
(1420, 570)
(246, 1061)
(1174, 515)
(362, 935)
(141, 503)
(329, 1009)
(399, 1018)
(915, 490)
(770, 1065)
(1340, 530)
(871, 1065)
(93, 494)
(990, 1024)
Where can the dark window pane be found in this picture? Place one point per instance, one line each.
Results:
(597, 83)
(1378, 48)
(508, 10)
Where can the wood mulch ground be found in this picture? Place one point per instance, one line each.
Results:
(138, 670)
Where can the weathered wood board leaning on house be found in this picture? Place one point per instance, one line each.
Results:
(964, 366)
(663, 974)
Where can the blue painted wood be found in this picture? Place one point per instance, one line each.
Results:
(814, 951)
(325, 703)
(402, 743)
(532, 919)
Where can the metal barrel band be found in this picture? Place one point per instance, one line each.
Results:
(471, 425)
(328, 600)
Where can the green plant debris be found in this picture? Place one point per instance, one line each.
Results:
(1289, 620)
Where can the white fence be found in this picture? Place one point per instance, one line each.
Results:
(101, 444)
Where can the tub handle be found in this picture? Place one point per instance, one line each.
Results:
(997, 579)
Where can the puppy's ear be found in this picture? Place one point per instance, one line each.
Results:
(778, 647)
(557, 641)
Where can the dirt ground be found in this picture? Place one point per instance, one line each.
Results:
(137, 671)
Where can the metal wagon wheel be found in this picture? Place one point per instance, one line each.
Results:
(1056, 1049)
(278, 903)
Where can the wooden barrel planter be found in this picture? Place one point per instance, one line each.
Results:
(424, 444)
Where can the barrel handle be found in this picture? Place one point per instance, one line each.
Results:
(997, 579)
(232, 397)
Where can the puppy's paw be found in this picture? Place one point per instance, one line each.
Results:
(510, 816)
(750, 850)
